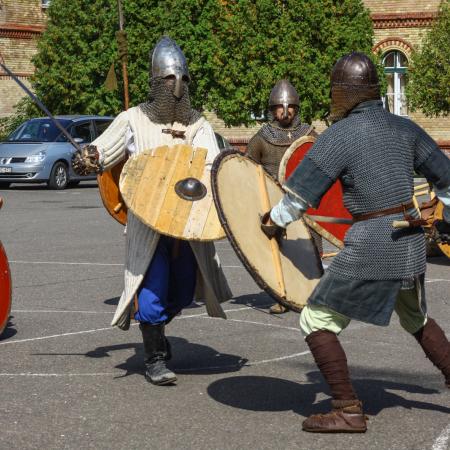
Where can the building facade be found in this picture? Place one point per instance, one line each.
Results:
(399, 27)
(21, 24)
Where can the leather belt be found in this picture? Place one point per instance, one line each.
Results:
(385, 212)
(175, 133)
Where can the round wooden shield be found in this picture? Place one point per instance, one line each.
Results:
(148, 185)
(332, 203)
(243, 191)
(108, 185)
(5, 289)
(438, 215)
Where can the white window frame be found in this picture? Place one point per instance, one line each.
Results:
(397, 70)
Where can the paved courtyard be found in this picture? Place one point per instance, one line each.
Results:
(69, 381)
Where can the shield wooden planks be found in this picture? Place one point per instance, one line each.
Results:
(147, 185)
(243, 191)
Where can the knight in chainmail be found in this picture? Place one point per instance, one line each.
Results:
(268, 146)
(381, 268)
(270, 143)
(162, 274)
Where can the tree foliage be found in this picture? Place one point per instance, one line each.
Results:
(236, 51)
(429, 74)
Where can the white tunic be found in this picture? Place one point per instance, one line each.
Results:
(132, 132)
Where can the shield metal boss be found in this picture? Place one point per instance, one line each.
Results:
(168, 189)
(108, 185)
(332, 203)
(243, 191)
(439, 215)
(5, 289)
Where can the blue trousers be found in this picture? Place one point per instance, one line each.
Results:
(169, 283)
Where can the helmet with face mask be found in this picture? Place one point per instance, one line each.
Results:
(284, 94)
(168, 100)
(354, 80)
(169, 60)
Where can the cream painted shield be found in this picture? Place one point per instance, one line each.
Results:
(242, 193)
(147, 185)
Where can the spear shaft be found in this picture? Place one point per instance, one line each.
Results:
(124, 62)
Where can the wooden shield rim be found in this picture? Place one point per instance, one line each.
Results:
(9, 292)
(248, 266)
(102, 182)
(288, 153)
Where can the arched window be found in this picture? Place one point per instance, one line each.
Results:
(395, 68)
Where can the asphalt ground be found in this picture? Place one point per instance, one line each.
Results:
(69, 381)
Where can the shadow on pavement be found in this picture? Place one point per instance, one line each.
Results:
(9, 331)
(187, 358)
(258, 393)
(112, 301)
(260, 300)
(439, 261)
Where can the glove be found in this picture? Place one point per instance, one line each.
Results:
(86, 161)
(441, 232)
(272, 230)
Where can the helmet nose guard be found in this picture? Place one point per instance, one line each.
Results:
(168, 59)
(283, 93)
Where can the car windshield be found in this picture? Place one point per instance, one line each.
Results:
(37, 130)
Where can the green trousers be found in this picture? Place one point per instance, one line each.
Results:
(407, 306)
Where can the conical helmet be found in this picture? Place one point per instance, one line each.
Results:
(168, 59)
(283, 93)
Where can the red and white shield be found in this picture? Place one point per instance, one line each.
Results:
(331, 206)
(5, 289)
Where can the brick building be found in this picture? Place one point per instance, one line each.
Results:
(21, 23)
(398, 24)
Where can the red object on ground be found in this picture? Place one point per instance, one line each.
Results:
(5, 289)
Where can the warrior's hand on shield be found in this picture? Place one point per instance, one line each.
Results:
(271, 229)
(86, 161)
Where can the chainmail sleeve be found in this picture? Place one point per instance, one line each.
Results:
(111, 144)
(321, 167)
(254, 148)
(430, 160)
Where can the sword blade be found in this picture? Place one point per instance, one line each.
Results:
(41, 106)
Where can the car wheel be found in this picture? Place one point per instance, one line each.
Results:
(4, 184)
(59, 177)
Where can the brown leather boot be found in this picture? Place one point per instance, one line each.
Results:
(278, 308)
(436, 347)
(346, 417)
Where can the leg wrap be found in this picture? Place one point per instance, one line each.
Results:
(436, 346)
(332, 362)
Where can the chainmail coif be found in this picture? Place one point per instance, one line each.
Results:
(164, 108)
(274, 133)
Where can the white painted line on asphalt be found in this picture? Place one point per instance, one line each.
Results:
(62, 263)
(435, 280)
(441, 443)
(258, 323)
(18, 341)
(25, 374)
(45, 311)
(190, 369)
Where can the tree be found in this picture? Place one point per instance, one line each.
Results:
(236, 50)
(429, 74)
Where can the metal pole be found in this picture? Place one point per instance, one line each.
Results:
(124, 64)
